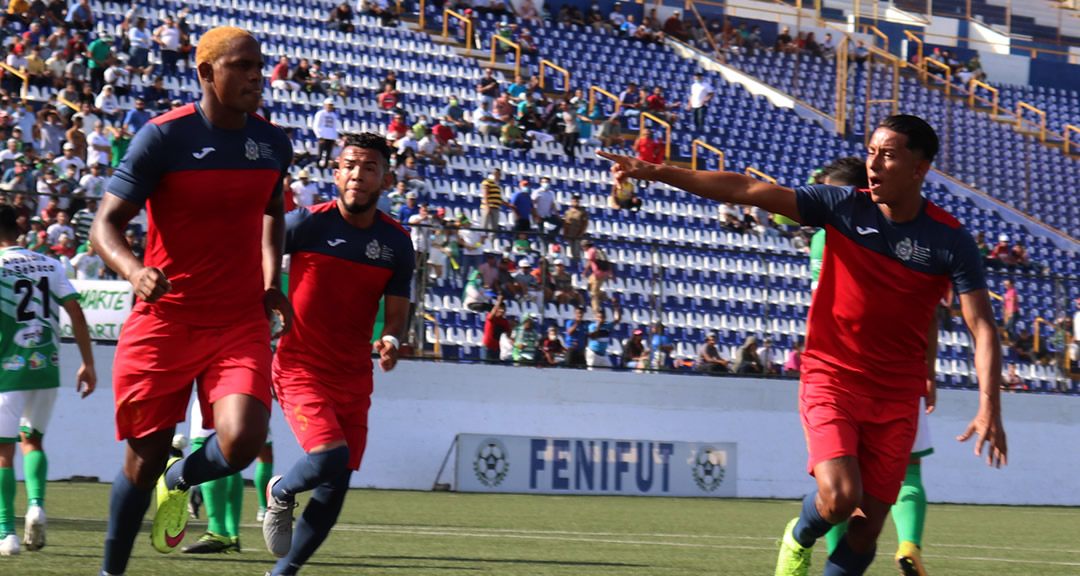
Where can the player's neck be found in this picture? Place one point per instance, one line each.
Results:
(903, 210)
(220, 116)
(361, 220)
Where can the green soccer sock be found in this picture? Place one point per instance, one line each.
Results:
(833, 537)
(909, 512)
(36, 469)
(264, 471)
(213, 493)
(234, 500)
(7, 501)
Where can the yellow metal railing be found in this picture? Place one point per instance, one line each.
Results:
(919, 52)
(1020, 120)
(495, 40)
(693, 153)
(447, 15)
(544, 64)
(879, 34)
(1037, 335)
(972, 97)
(667, 126)
(948, 73)
(422, 10)
(435, 349)
(1068, 143)
(760, 175)
(594, 90)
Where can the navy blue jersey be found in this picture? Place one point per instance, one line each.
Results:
(337, 276)
(879, 286)
(205, 191)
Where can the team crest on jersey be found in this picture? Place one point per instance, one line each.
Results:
(904, 248)
(13, 363)
(251, 150)
(373, 250)
(37, 361)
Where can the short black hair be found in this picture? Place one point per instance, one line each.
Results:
(920, 135)
(850, 171)
(369, 141)
(9, 226)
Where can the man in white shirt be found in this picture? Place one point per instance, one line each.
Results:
(98, 147)
(88, 265)
(88, 118)
(92, 185)
(326, 125)
(304, 191)
(119, 78)
(108, 103)
(544, 210)
(70, 159)
(617, 18)
(60, 228)
(168, 38)
(485, 122)
(428, 150)
(701, 92)
(9, 154)
(141, 41)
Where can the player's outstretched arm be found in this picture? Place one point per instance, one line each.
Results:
(107, 235)
(87, 376)
(717, 186)
(987, 424)
(273, 248)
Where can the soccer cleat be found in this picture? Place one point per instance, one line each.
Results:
(794, 559)
(170, 519)
(9, 546)
(278, 521)
(34, 534)
(209, 543)
(909, 560)
(195, 501)
(260, 515)
(234, 544)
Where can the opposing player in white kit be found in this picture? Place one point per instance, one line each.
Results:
(33, 287)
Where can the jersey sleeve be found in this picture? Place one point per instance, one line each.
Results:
(818, 203)
(400, 283)
(60, 286)
(966, 264)
(138, 174)
(295, 223)
(285, 154)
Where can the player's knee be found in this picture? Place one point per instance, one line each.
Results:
(838, 501)
(242, 447)
(330, 463)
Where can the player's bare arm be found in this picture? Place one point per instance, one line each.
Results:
(395, 320)
(273, 248)
(107, 234)
(716, 186)
(987, 424)
(87, 377)
(931, 365)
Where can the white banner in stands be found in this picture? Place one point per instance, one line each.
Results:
(106, 305)
(539, 465)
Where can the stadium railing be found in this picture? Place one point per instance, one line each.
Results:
(694, 154)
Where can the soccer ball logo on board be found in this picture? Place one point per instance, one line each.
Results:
(491, 465)
(708, 468)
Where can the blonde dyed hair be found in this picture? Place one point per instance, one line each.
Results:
(216, 42)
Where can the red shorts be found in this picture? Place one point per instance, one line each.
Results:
(157, 361)
(320, 413)
(879, 433)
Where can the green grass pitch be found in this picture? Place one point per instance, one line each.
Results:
(436, 533)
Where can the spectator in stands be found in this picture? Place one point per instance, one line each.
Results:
(1001, 254)
(280, 78)
(730, 217)
(576, 338)
(708, 358)
(1024, 346)
(562, 285)
(746, 359)
(528, 282)
(379, 9)
(397, 129)
(167, 37)
(17, 178)
(600, 330)
(454, 115)
(635, 355)
(429, 151)
(974, 68)
(616, 18)
(599, 270)
(64, 247)
(648, 148)
(793, 366)
(491, 203)
(388, 98)
(475, 296)
(575, 225)
(673, 26)
(552, 351)
(60, 228)
(137, 117)
(52, 134)
(489, 271)
(304, 191)
(495, 325)
(658, 106)
(701, 93)
(629, 27)
(980, 243)
(109, 104)
(119, 140)
(77, 138)
(119, 77)
(828, 47)
(70, 159)
(811, 46)
(527, 43)
(410, 208)
(10, 154)
(1020, 259)
(326, 125)
(1012, 380)
(624, 196)
(341, 18)
(141, 40)
(770, 360)
(1012, 309)
(629, 101)
(523, 207)
(507, 283)
(544, 209)
(595, 19)
(484, 121)
(784, 42)
(661, 347)
(488, 87)
(514, 137)
(35, 69)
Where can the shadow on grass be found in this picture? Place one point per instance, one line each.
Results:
(514, 561)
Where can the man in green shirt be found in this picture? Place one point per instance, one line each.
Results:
(98, 56)
(33, 288)
(119, 139)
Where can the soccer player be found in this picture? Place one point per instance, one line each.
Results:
(890, 256)
(32, 289)
(210, 175)
(346, 257)
(909, 512)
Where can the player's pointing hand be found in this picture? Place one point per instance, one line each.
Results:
(988, 427)
(150, 283)
(624, 167)
(278, 304)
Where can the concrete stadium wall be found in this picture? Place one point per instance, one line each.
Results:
(419, 408)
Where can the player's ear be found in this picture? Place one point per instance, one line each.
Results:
(206, 72)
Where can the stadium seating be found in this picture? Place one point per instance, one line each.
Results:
(705, 279)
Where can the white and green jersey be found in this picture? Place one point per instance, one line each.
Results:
(32, 288)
